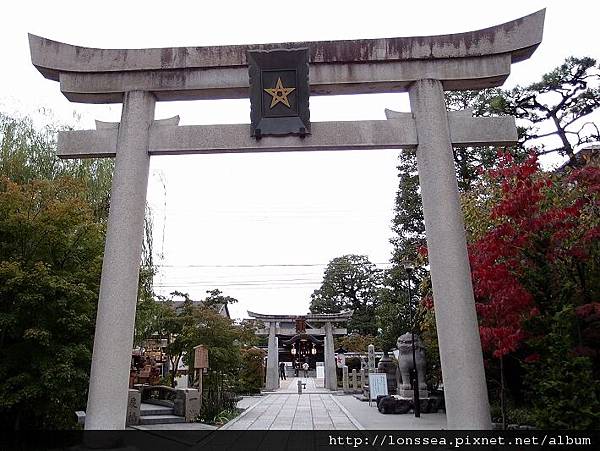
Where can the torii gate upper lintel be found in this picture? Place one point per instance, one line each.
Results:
(422, 66)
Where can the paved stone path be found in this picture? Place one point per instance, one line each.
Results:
(318, 409)
(286, 410)
(312, 384)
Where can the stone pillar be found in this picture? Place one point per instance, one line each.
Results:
(354, 380)
(111, 359)
(134, 405)
(272, 359)
(345, 384)
(330, 373)
(371, 356)
(461, 357)
(363, 378)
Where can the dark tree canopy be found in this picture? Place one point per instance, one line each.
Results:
(350, 282)
(555, 108)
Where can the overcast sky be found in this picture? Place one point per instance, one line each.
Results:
(262, 227)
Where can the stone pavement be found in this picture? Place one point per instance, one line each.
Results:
(312, 384)
(319, 408)
(370, 418)
(292, 411)
(316, 409)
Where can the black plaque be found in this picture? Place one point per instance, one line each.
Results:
(279, 92)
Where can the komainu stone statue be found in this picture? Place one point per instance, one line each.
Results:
(405, 361)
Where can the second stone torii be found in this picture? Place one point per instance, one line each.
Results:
(273, 328)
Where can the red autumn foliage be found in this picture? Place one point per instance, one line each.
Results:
(501, 258)
(427, 302)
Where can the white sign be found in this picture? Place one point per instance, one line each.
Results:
(320, 372)
(377, 385)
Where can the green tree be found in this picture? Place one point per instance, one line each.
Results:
(354, 342)
(51, 241)
(251, 375)
(189, 324)
(28, 153)
(50, 263)
(350, 282)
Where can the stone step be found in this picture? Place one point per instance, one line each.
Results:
(161, 419)
(156, 410)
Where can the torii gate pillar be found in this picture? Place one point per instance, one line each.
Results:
(272, 382)
(465, 390)
(107, 397)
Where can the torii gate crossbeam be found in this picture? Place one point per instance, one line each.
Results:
(423, 66)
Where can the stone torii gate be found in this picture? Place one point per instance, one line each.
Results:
(272, 329)
(423, 66)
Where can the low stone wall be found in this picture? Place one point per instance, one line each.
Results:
(188, 402)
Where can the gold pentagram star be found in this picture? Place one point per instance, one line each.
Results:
(279, 94)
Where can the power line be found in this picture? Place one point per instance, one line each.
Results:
(245, 286)
(273, 265)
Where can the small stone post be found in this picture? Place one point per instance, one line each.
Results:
(354, 380)
(371, 362)
(113, 340)
(363, 378)
(134, 404)
(461, 357)
(345, 384)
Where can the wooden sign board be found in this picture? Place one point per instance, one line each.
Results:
(377, 385)
(200, 357)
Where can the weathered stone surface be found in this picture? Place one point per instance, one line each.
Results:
(188, 402)
(397, 132)
(235, 138)
(405, 362)
(272, 382)
(354, 380)
(518, 37)
(345, 381)
(458, 333)
(330, 364)
(134, 403)
(326, 79)
(371, 358)
(409, 393)
(471, 60)
(113, 340)
(386, 365)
